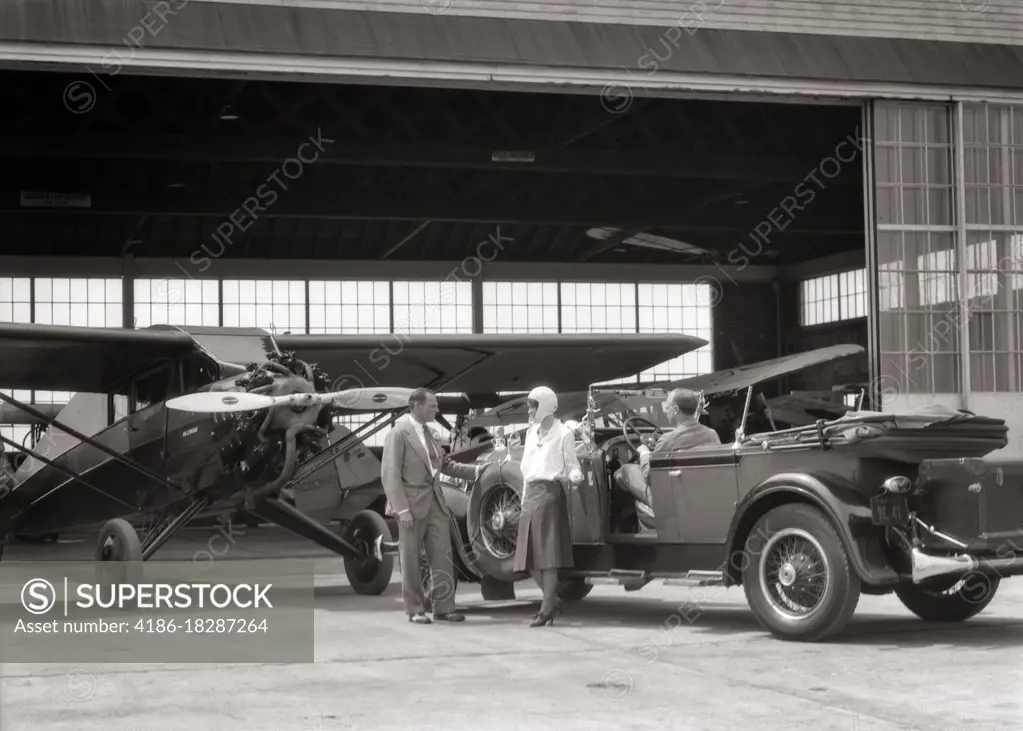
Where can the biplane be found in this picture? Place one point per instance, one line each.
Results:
(228, 419)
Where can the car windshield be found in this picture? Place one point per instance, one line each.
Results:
(621, 407)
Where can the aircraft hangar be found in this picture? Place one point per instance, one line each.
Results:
(770, 180)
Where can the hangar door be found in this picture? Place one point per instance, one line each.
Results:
(948, 212)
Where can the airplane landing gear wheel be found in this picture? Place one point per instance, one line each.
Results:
(118, 553)
(367, 574)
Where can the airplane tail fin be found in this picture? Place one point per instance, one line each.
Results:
(86, 412)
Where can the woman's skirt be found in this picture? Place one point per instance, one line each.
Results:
(545, 535)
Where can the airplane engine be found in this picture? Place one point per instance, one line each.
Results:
(264, 448)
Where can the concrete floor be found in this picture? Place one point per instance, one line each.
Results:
(611, 662)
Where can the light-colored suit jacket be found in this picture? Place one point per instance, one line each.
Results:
(405, 471)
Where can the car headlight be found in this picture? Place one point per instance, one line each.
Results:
(899, 484)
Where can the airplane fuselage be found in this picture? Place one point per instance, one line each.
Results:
(182, 447)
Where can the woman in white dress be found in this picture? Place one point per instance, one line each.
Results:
(549, 462)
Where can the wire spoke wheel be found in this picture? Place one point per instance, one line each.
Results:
(950, 599)
(794, 573)
(499, 521)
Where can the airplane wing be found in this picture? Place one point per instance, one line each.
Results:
(572, 405)
(89, 359)
(734, 379)
(478, 363)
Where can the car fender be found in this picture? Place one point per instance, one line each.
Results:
(847, 508)
(457, 500)
(458, 506)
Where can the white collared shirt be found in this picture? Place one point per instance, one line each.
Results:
(420, 430)
(550, 458)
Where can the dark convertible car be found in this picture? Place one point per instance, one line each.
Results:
(805, 519)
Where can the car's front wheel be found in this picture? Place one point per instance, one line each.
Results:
(953, 600)
(492, 520)
(797, 576)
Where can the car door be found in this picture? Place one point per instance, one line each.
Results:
(698, 490)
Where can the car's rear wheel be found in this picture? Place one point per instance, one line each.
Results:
(573, 590)
(797, 578)
(493, 520)
(953, 600)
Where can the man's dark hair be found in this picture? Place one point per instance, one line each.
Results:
(419, 396)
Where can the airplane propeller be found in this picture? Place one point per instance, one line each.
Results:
(364, 399)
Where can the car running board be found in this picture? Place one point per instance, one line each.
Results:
(629, 580)
(697, 578)
(635, 580)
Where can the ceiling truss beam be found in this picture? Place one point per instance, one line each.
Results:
(693, 165)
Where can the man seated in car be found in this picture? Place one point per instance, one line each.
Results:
(681, 405)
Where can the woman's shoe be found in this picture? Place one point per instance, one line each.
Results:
(541, 619)
(558, 608)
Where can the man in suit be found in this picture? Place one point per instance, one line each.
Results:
(683, 406)
(410, 471)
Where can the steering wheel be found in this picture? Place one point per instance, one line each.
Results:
(627, 428)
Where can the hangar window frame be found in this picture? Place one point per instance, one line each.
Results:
(835, 297)
(59, 298)
(598, 307)
(16, 299)
(16, 306)
(349, 306)
(916, 189)
(422, 306)
(77, 302)
(521, 306)
(197, 298)
(275, 305)
(665, 307)
(609, 306)
(992, 154)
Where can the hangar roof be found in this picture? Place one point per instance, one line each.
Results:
(159, 163)
(317, 31)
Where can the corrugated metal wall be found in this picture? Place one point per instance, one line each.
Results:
(977, 21)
